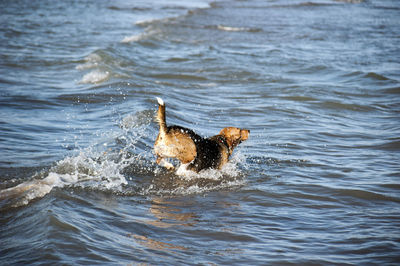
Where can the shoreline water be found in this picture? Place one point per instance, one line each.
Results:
(316, 82)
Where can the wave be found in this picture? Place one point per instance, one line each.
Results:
(152, 22)
(141, 9)
(102, 64)
(95, 76)
(133, 38)
(375, 76)
(90, 61)
(311, 4)
(364, 195)
(350, 1)
(81, 170)
(301, 5)
(237, 29)
(394, 90)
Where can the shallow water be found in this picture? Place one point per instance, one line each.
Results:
(317, 83)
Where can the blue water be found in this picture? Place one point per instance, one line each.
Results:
(316, 82)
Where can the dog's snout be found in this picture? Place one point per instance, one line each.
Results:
(244, 134)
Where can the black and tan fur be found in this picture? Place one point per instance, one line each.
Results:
(189, 148)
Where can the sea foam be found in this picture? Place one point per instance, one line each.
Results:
(95, 76)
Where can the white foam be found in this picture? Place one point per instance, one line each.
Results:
(229, 169)
(23, 193)
(80, 170)
(93, 61)
(150, 31)
(212, 174)
(83, 169)
(87, 65)
(226, 28)
(95, 76)
(133, 38)
(236, 29)
(146, 22)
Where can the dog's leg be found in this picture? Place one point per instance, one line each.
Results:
(162, 162)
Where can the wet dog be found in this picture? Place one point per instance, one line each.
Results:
(190, 149)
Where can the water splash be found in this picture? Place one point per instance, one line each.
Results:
(229, 169)
(83, 170)
(185, 182)
(98, 166)
(123, 162)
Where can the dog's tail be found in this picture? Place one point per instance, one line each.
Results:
(161, 116)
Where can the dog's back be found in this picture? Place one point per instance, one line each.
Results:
(209, 155)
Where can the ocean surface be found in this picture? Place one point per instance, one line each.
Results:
(317, 83)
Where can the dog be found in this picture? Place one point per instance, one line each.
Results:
(190, 149)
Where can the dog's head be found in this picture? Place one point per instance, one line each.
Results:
(234, 136)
